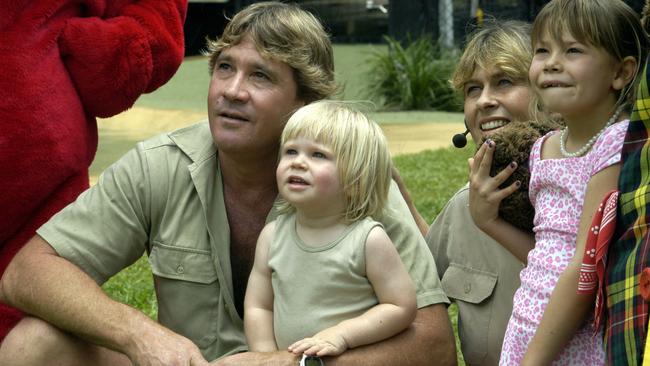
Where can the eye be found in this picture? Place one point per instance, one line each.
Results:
(540, 50)
(260, 75)
(319, 155)
(290, 151)
(472, 90)
(504, 82)
(573, 50)
(223, 66)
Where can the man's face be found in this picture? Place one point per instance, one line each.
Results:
(249, 101)
(492, 100)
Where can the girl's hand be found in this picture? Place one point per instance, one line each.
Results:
(485, 196)
(325, 343)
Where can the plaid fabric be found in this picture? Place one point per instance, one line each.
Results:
(627, 311)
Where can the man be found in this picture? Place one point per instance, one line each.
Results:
(195, 200)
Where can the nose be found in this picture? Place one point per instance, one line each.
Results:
(552, 63)
(487, 99)
(298, 162)
(235, 88)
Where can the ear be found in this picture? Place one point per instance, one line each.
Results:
(625, 73)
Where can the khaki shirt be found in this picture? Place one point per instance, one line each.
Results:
(165, 197)
(479, 275)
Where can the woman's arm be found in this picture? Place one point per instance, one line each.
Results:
(485, 196)
(394, 313)
(258, 303)
(567, 310)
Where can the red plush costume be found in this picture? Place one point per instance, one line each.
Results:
(63, 63)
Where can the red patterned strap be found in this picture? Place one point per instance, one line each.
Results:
(592, 270)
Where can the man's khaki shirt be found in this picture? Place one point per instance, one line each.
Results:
(165, 198)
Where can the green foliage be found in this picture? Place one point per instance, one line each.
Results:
(413, 77)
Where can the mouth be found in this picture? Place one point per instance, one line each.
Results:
(493, 124)
(297, 181)
(553, 84)
(233, 115)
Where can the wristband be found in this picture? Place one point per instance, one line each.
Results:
(310, 361)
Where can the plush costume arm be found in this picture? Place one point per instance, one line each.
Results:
(123, 49)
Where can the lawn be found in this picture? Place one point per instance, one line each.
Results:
(431, 176)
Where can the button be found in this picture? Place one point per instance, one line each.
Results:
(468, 287)
(180, 269)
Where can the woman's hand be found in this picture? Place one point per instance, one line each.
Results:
(485, 196)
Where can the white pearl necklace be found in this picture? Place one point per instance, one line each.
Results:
(581, 151)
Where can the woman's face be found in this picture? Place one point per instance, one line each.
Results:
(492, 100)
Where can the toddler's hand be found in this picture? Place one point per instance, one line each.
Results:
(320, 345)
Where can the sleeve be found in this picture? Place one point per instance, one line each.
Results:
(413, 250)
(607, 150)
(119, 52)
(106, 228)
(438, 237)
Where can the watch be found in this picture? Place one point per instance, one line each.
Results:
(310, 361)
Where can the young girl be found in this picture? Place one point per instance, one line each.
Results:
(586, 56)
(326, 276)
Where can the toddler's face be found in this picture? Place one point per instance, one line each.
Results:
(308, 177)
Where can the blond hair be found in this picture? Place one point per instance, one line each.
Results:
(608, 24)
(289, 34)
(362, 156)
(505, 45)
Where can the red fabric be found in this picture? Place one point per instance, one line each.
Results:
(63, 63)
(592, 270)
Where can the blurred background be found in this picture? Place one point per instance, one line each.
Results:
(368, 21)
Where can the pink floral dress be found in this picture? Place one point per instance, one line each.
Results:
(557, 189)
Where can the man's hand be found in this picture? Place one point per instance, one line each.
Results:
(278, 358)
(159, 346)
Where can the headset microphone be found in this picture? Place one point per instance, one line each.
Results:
(460, 140)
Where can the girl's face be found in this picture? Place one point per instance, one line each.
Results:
(492, 100)
(573, 78)
(308, 177)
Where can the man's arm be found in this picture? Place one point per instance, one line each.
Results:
(429, 340)
(41, 283)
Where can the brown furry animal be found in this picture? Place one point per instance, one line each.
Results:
(513, 143)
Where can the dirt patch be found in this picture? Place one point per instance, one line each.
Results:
(141, 123)
(403, 138)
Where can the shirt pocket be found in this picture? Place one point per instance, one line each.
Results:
(471, 289)
(188, 291)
